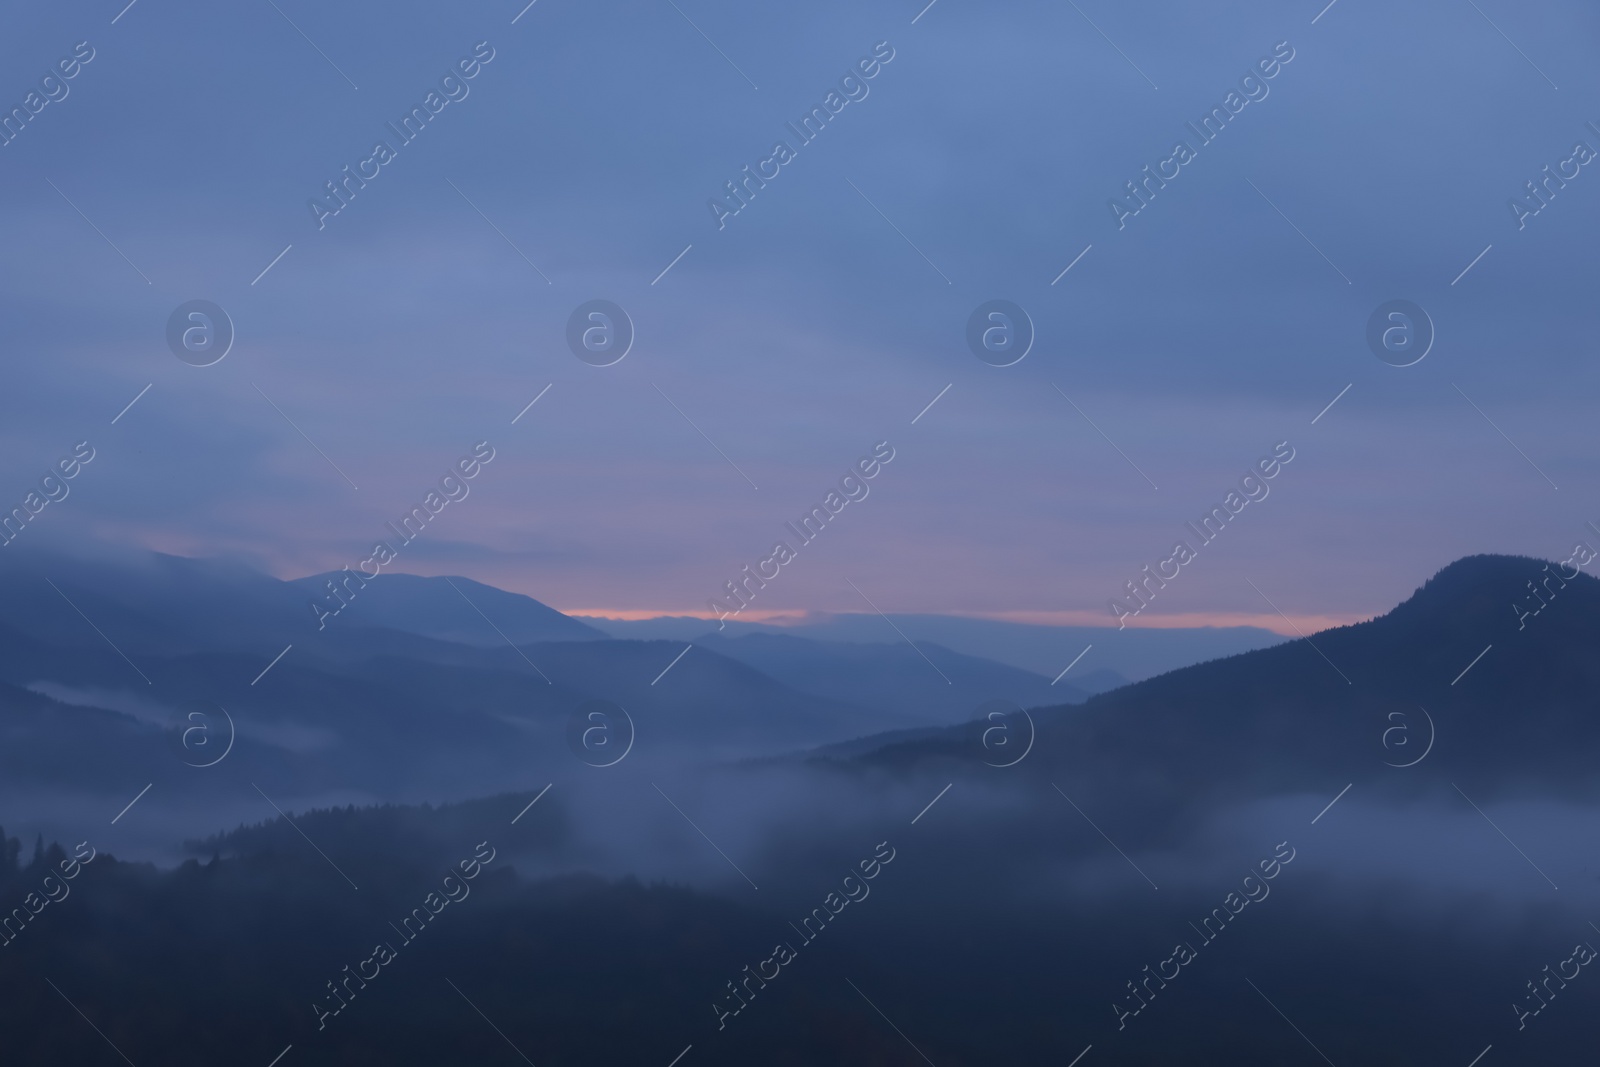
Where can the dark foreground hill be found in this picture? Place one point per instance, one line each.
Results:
(442, 952)
(1505, 702)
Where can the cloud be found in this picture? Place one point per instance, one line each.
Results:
(1209, 328)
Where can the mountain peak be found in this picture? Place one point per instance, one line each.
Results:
(453, 609)
(1481, 590)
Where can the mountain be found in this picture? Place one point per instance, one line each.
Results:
(145, 601)
(1039, 898)
(415, 720)
(1511, 704)
(365, 714)
(1116, 656)
(926, 683)
(154, 602)
(449, 609)
(103, 660)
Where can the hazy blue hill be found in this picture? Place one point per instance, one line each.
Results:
(146, 602)
(893, 677)
(708, 701)
(1118, 655)
(156, 603)
(399, 724)
(448, 609)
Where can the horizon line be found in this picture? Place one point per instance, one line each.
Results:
(1293, 626)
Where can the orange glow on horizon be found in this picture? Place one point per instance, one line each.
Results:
(1294, 626)
(773, 617)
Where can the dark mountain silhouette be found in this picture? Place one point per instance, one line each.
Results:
(1311, 714)
(230, 957)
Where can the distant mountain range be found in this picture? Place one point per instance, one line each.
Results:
(403, 696)
(1026, 895)
(418, 688)
(1135, 653)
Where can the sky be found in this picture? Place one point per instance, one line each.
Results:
(1173, 348)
